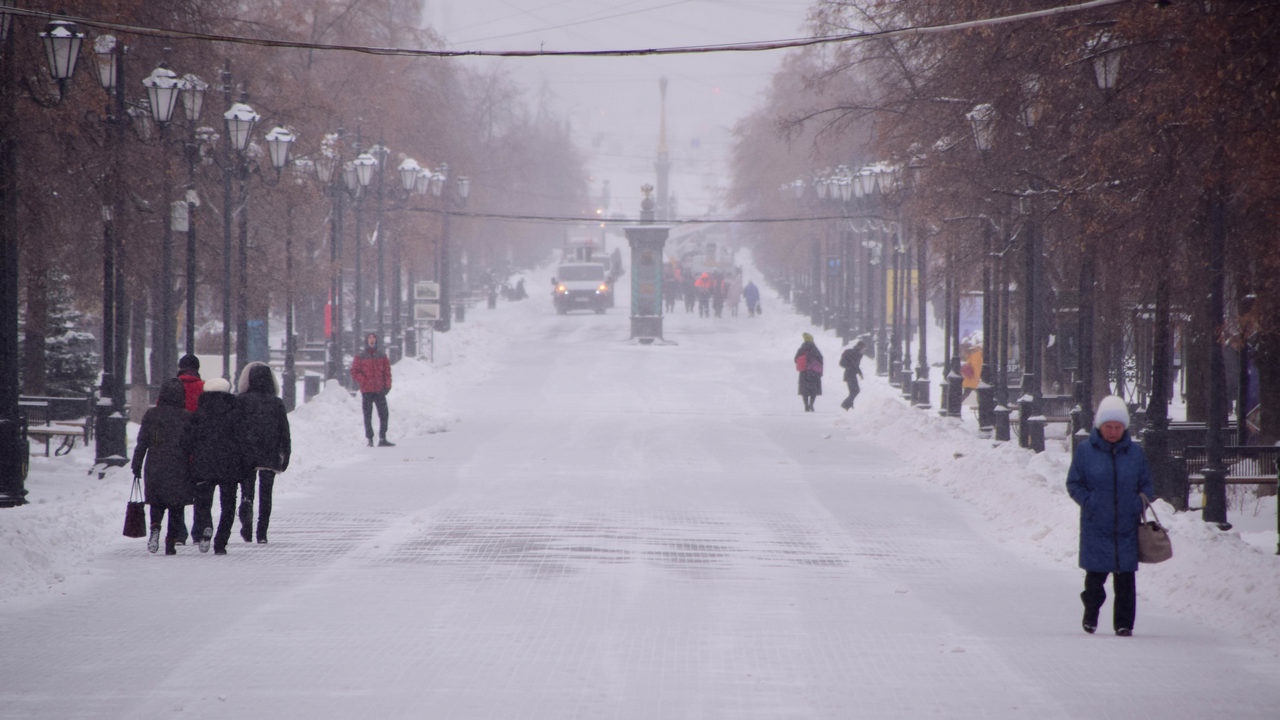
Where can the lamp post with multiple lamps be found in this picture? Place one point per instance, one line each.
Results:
(451, 195)
(241, 119)
(62, 42)
(356, 175)
(326, 164)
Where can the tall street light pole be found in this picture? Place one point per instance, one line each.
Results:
(326, 165)
(163, 88)
(109, 424)
(380, 153)
(62, 42)
(240, 120)
(357, 174)
(192, 103)
(450, 196)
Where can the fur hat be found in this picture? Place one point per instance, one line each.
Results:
(807, 337)
(189, 362)
(217, 385)
(1111, 409)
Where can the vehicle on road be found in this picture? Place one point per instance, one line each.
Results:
(581, 286)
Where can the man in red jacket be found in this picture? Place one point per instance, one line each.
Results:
(372, 372)
(192, 385)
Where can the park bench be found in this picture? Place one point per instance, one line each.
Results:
(65, 434)
(65, 419)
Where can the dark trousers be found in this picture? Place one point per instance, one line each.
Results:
(204, 510)
(368, 402)
(202, 516)
(177, 521)
(1126, 603)
(853, 393)
(265, 481)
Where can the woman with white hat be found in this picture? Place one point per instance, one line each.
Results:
(1108, 476)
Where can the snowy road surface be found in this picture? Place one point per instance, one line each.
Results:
(574, 526)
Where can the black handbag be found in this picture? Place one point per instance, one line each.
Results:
(1154, 545)
(135, 513)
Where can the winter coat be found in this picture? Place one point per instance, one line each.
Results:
(810, 382)
(158, 456)
(371, 370)
(851, 361)
(751, 293)
(262, 421)
(1105, 481)
(192, 386)
(210, 440)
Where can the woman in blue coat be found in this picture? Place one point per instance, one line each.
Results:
(1108, 476)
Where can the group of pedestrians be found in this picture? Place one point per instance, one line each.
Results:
(1109, 478)
(200, 438)
(808, 359)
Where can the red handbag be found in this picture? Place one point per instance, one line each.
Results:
(802, 362)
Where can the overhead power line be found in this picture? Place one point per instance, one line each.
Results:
(635, 52)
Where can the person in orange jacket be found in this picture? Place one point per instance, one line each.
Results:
(372, 372)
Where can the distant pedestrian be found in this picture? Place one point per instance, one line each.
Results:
(210, 443)
(851, 361)
(192, 385)
(372, 372)
(751, 294)
(262, 433)
(1107, 477)
(159, 459)
(809, 367)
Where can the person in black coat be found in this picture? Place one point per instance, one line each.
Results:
(158, 457)
(262, 431)
(851, 361)
(809, 366)
(216, 461)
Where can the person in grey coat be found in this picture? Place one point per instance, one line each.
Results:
(159, 459)
(262, 433)
(1107, 478)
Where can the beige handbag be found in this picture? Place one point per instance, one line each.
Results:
(1154, 545)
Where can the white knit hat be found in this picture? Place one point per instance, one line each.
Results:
(217, 385)
(1112, 409)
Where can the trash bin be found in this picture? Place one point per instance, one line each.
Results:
(310, 386)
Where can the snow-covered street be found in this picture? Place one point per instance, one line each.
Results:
(575, 526)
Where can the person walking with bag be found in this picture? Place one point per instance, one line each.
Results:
(809, 367)
(159, 458)
(210, 443)
(851, 361)
(372, 372)
(262, 432)
(1108, 476)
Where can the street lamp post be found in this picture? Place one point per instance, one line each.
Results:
(241, 119)
(109, 423)
(380, 153)
(163, 88)
(62, 42)
(356, 175)
(192, 103)
(326, 170)
(440, 188)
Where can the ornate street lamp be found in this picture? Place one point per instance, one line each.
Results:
(62, 43)
(192, 104)
(357, 174)
(326, 165)
(449, 199)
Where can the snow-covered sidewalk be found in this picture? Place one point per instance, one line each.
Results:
(538, 546)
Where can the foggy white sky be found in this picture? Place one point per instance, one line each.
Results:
(613, 102)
